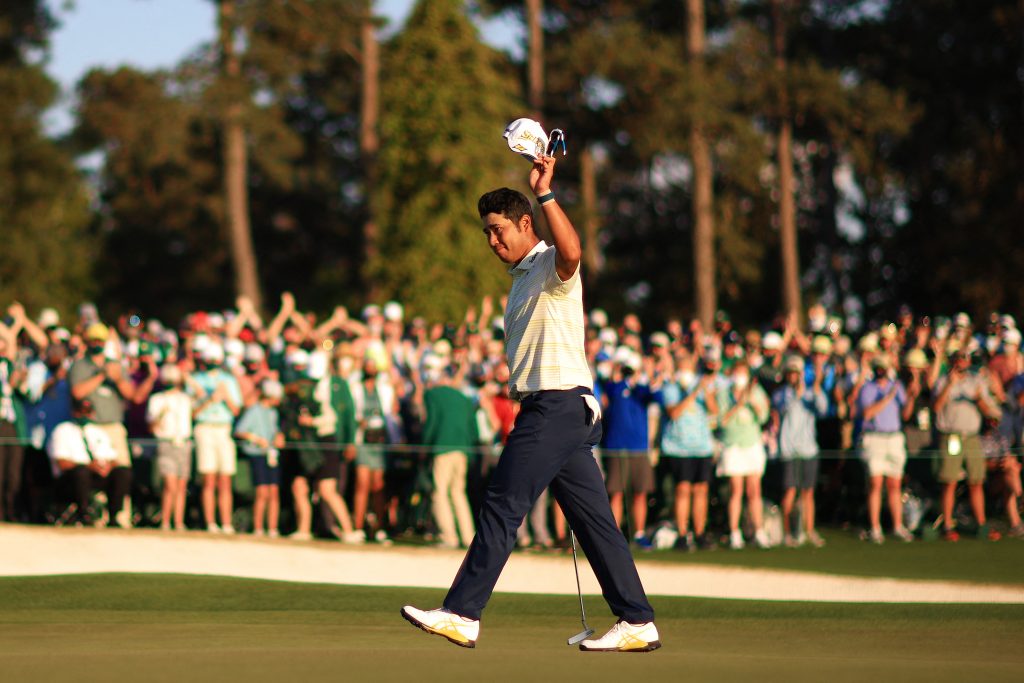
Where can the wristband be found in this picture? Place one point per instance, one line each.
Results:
(545, 198)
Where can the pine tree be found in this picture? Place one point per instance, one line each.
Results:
(445, 100)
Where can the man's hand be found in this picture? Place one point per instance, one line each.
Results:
(113, 371)
(541, 173)
(16, 311)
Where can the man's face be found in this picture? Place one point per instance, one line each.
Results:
(510, 241)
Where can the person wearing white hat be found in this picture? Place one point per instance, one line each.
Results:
(169, 414)
(218, 400)
(555, 433)
(1009, 362)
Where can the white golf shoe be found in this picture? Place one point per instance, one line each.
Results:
(625, 637)
(441, 622)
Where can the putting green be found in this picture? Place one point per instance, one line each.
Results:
(174, 628)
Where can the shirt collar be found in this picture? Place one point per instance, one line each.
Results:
(530, 259)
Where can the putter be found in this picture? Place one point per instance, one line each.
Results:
(587, 631)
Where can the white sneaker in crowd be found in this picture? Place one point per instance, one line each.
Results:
(381, 537)
(212, 528)
(301, 536)
(273, 533)
(876, 536)
(761, 539)
(815, 539)
(353, 537)
(457, 629)
(257, 533)
(903, 533)
(228, 529)
(791, 541)
(736, 540)
(625, 637)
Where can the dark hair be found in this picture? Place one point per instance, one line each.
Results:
(509, 203)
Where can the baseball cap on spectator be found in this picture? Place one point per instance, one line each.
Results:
(442, 347)
(772, 341)
(371, 311)
(627, 357)
(1007, 321)
(881, 362)
(48, 317)
(660, 339)
(868, 343)
(170, 374)
(200, 342)
(598, 318)
(393, 311)
(962, 320)
(608, 336)
(1011, 337)
(254, 353)
(62, 333)
(821, 345)
(215, 321)
(271, 388)
(212, 352)
(834, 325)
(234, 348)
(88, 314)
(199, 321)
(889, 331)
(794, 363)
(916, 358)
(97, 332)
(297, 358)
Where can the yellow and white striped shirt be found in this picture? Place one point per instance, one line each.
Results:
(544, 329)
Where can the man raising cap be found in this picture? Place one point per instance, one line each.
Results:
(554, 434)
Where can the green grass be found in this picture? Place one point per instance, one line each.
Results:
(176, 628)
(969, 560)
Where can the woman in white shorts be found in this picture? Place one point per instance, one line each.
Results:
(744, 408)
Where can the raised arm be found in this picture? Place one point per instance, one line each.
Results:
(563, 234)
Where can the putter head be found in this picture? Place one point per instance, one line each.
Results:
(581, 636)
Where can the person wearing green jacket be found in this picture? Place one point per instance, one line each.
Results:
(451, 433)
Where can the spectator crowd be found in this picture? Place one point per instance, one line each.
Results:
(368, 427)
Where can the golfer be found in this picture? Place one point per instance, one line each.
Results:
(554, 434)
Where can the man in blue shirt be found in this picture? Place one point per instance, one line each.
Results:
(883, 446)
(627, 395)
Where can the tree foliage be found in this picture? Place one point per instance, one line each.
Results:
(444, 104)
(46, 258)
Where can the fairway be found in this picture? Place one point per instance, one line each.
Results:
(172, 628)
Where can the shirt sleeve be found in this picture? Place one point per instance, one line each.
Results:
(552, 282)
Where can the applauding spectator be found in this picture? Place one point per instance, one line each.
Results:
(169, 414)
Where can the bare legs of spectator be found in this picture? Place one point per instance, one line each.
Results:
(691, 500)
(561, 531)
(976, 496)
(751, 484)
(1011, 480)
(173, 503)
(894, 495)
(266, 505)
(328, 490)
(639, 513)
(788, 499)
(369, 482)
(303, 509)
(615, 500)
(217, 494)
(807, 507)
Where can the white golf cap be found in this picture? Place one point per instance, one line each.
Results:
(254, 353)
(393, 311)
(626, 356)
(234, 348)
(1008, 321)
(598, 318)
(298, 357)
(213, 352)
(962, 320)
(271, 388)
(1012, 337)
(771, 341)
(608, 336)
(215, 320)
(527, 138)
(371, 311)
(660, 339)
(48, 317)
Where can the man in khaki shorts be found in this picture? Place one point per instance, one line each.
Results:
(962, 401)
(99, 378)
(218, 400)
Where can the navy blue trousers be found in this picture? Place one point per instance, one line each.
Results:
(551, 444)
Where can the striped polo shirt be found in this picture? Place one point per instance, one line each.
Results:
(544, 330)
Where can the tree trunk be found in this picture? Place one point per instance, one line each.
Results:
(705, 295)
(236, 162)
(787, 205)
(369, 142)
(535, 67)
(591, 217)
